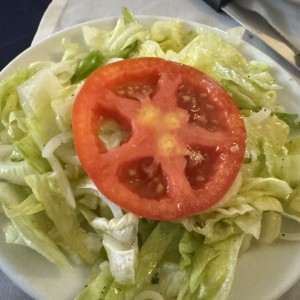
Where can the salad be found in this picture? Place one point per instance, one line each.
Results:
(53, 206)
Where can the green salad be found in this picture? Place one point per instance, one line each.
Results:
(53, 207)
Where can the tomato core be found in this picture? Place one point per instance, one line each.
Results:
(185, 138)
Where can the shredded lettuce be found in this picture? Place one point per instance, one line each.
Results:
(26, 226)
(80, 244)
(97, 287)
(53, 207)
(121, 244)
(211, 271)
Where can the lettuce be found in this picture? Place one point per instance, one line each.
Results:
(150, 257)
(249, 83)
(121, 244)
(126, 32)
(98, 286)
(28, 228)
(211, 270)
(83, 246)
(13, 171)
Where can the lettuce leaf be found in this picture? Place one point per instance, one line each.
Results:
(121, 244)
(28, 228)
(212, 270)
(83, 246)
(97, 288)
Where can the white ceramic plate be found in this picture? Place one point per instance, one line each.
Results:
(262, 272)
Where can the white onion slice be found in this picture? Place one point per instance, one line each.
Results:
(90, 188)
(55, 142)
(260, 116)
(149, 294)
(56, 166)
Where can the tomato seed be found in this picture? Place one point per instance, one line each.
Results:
(135, 92)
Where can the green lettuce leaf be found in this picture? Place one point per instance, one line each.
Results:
(212, 270)
(150, 256)
(28, 228)
(97, 288)
(13, 170)
(80, 244)
(121, 244)
(126, 32)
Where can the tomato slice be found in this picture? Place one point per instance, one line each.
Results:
(185, 137)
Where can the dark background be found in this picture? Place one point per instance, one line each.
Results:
(19, 20)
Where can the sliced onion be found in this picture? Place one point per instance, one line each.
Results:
(66, 187)
(115, 209)
(55, 142)
(68, 155)
(260, 116)
(90, 188)
(149, 294)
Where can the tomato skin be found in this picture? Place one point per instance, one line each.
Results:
(179, 119)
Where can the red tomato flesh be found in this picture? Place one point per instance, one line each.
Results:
(186, 139)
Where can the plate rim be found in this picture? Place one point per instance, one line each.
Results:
(10, 68)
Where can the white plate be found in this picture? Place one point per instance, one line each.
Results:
(264, 272)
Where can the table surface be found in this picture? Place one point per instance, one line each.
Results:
(19, 23)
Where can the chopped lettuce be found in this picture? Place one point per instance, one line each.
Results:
(67, 232)
(126, 32)
(52, 206)
(98, 286)
(28, 228)
(11, 170)
(211, 270)
(121, 244)
(150, 257)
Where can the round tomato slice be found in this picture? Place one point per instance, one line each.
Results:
(184, 144)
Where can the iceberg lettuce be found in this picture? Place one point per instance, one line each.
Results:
(121, 244)
(28, 228)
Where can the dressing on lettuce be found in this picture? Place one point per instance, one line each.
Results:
(51, 206)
